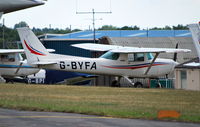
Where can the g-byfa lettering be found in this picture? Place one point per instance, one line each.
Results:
(84, 65)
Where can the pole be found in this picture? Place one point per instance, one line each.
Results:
(93, 20)
(94, 26)
(3, 34)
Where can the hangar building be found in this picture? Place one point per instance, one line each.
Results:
(135, 38)
(188, 75)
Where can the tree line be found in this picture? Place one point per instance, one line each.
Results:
(10, 34)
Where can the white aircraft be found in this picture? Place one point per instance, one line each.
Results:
(12, 64)
(7, 6)
(195, 30)
(118, 60)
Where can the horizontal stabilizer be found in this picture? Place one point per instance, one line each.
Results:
(44, 63)
(8, 51)
(126, 49)
(51, 50)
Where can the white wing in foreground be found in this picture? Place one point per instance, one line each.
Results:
(96, 47)
(126, 49)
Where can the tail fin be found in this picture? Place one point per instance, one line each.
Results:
(195, 30)
(34, 49)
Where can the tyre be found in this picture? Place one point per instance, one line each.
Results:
(115, 84)
(138, 85)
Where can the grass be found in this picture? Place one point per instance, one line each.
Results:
(112, 102)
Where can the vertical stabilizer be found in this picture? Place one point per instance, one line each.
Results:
(195, 30)
(34, 49)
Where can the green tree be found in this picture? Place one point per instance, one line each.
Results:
(129, 28)
(180, 27)
(21, 24)
(167, 28)
(108, 27)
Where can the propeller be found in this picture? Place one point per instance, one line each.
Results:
(175, 54)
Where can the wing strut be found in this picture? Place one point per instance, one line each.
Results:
(155, 57)
(19, 68)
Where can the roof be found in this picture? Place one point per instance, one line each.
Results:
(192, 64)
(126, 33)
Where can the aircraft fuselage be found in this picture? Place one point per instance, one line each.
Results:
(160, 67)
(12, 65)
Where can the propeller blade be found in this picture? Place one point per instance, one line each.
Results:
(175, 54)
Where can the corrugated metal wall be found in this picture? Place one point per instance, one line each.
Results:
(64, 47)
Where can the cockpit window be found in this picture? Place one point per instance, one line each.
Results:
(110, 55)
(135, 57)
(7, 58)
(139, 56)
(149, 56)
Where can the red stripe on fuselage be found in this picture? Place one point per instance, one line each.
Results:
(143, 66)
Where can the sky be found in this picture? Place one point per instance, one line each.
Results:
(143, 13)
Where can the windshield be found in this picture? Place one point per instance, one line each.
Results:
(149, 56)
(110, 55)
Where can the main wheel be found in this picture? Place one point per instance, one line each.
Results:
(138, 85)
(115, 83)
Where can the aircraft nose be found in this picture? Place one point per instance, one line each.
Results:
(173, 65)
(176, 63)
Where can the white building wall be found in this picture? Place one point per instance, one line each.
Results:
(192, 79)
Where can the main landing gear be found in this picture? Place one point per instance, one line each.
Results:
(116, 82)
(2, 80)
(136, 84)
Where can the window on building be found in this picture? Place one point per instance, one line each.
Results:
(183, 79)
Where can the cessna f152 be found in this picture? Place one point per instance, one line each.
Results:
(12, 64)
(118, 60)
(7, 6)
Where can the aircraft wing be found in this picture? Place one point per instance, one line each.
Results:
(148, 50)
(8, 51)
(96, 47)
(126, 49)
